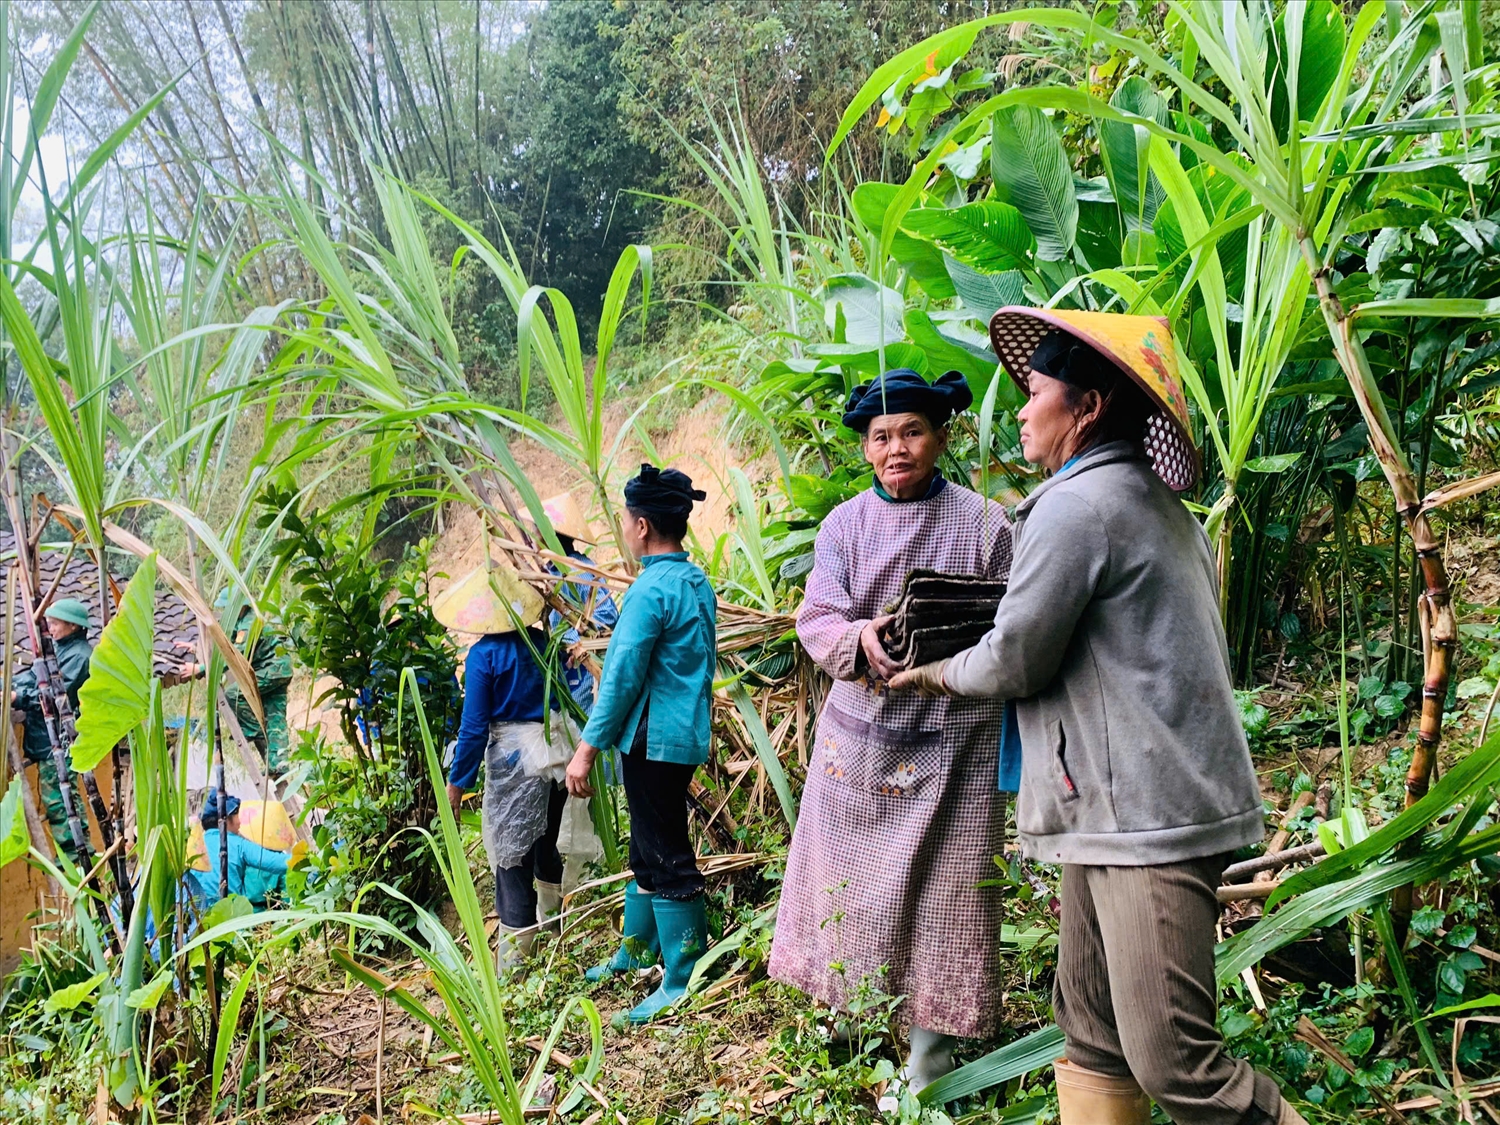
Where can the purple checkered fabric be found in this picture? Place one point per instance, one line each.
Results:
(901, 817)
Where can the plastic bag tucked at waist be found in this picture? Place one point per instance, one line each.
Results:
(546, 748)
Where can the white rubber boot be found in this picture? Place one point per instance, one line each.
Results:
(930, 1057)
(512, 947)
(549, 904)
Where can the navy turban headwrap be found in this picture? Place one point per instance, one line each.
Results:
(903, 391)
(210, 814)
(661, 492)
(1064, 356)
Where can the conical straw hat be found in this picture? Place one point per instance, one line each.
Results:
(1140, 346)
(567, 518)
(491, 599)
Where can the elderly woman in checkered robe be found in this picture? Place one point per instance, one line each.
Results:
(901, 818)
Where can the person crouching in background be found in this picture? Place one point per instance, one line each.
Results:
(653, 705)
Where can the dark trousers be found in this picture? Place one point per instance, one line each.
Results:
(1135, 992)
(515, 895)
(661, 854)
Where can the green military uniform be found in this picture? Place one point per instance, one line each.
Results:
(73, 654)
(273, 672)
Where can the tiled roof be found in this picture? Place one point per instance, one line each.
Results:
(174, 620)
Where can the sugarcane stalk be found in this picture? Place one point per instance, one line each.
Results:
(1440, 628)
(25, 568)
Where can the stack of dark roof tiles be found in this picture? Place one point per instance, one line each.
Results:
(939, 615)
(80, 579)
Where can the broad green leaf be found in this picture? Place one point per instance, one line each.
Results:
(944, 354)
(227, 909)
(67, 999)
(113, 700)
(985, 293)
(1032, 173)
(15, 838)
(1321, 55)
(1124, 148)
(149, 995)
(922, 259)
(1276, 463)
(871, 312)
(990, 236)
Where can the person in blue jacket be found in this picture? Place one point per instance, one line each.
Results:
(510, 724)
(247, 859)
(653, 705)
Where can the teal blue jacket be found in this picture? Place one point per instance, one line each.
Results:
(253, 870)
(663, 651)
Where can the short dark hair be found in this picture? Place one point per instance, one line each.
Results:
(668, 527)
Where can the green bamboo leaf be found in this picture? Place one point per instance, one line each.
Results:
(229, 1019)
(1413, 126)
(1474, 774)
(1468, 308)
(48, 90)
(1031, 1052)
(15, 837)
(765, 751)
(990, 236)
(114, 699)
(1031, 172)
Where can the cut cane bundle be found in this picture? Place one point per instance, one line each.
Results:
(939, 615)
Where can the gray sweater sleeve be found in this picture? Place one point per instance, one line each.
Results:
(1061, 557)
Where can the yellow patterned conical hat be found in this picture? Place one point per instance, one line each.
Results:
(567, 518)
(1140, 346)
(491, 599)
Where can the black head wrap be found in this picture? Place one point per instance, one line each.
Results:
(210, 814)
(1064, 356)
(903, 391)
(662, 492)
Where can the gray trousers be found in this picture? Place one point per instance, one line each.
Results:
(1135, 992)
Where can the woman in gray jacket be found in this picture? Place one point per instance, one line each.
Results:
(1135, 774)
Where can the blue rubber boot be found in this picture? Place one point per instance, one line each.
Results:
(638, 943)
(683, 928)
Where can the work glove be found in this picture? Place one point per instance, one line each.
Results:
(927, 679)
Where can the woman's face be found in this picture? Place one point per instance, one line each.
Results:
(904, 449)
(637, 531)
(1049, 425)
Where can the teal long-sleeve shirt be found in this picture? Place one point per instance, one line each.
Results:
(662, 651)
(247, 861)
